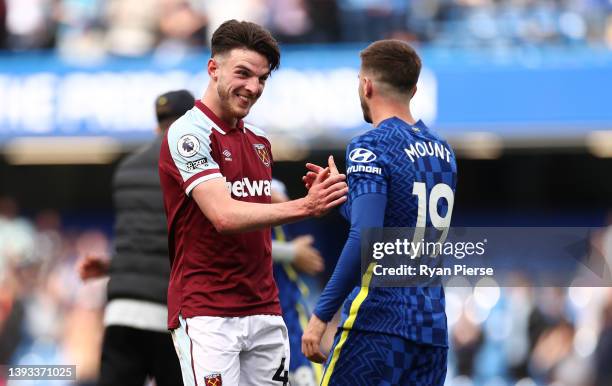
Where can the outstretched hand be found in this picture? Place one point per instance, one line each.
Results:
(307, 257)
(92, 266)
(328, 190)
(311, 340)
(314, 170)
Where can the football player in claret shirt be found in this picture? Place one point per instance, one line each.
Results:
(215, 172)
(400, 174)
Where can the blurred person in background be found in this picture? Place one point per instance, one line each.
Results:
(80, 28)
(467, 339)
(136, 341)
(289, 20)
(182, 26)
(293, 257)
(3, 31)
(16, 241)
(132, 26)
(218, 11)
(46, 317)
(368, 20)
(325, 17)
(603, 353)
(31, 24)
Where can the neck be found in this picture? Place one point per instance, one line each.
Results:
(212, 101)
(385, 109)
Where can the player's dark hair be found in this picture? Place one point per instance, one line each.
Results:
(243, 34)
(393, 62)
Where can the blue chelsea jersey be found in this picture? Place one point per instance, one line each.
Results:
(406, 163)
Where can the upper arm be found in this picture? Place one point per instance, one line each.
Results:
(365, 167)
(368, 211)
(191, 153)
(213, 197)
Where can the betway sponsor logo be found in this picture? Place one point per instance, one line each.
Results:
(363, 168)
(248, 188)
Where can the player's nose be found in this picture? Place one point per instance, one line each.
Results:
(253, 86)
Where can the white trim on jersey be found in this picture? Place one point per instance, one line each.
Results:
(256, 130)
(198, 181)
(208, 122)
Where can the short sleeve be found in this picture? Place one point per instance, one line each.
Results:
(365, 167)
(190, 149)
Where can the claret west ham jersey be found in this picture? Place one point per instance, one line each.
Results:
(214, 274)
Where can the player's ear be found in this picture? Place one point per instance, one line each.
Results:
(213, 68)
(413, 91)
(368, 87)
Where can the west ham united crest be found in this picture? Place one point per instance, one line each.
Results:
(213, 380)
(263, 154)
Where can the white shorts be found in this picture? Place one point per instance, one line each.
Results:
(249, 350)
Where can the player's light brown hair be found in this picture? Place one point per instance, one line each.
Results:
(243, 34)
(393, 62)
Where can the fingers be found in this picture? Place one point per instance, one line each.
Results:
(309, 179)
(311, 351)
(337, 190)
(338, 186)
(332, 165)
(313, 167)
(83, 267)
(304, 239)
(322, 175)
(333, 179)
(306, 182)
(335, 203)
(317, 357)
(305, 346)
(318, 265)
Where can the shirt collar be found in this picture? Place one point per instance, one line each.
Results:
(213, 117)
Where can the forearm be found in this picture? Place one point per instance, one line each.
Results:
(239, 216)
(367, 212)
(229, 215)
(344, 279)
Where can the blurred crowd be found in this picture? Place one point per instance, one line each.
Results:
(47, 315)
(498, 336)
(138, 27)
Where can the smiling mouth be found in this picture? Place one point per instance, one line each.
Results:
(244, 99)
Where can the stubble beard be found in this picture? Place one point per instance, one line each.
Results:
(226, 104)
(366, 110)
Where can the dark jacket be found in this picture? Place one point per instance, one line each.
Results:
(140, 267)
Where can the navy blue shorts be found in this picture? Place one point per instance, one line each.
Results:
(373, 359)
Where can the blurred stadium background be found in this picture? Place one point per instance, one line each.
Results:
(521, 88)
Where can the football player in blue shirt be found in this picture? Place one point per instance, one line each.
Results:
(400, 174)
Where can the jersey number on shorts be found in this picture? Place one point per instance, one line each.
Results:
(285, 374)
